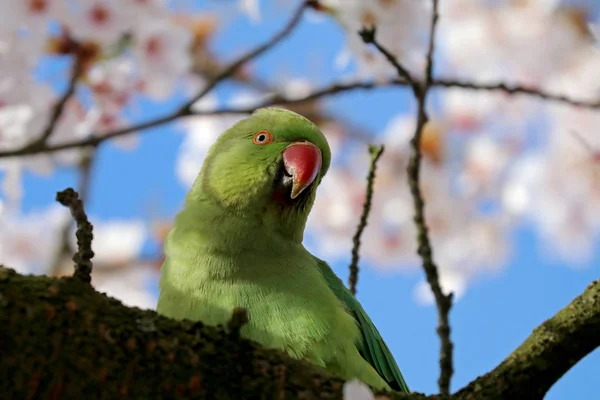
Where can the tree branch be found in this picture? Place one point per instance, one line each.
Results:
(368, 36)
(233, 67)
(553, 348)
(84, 233)
(425, 250)
(185, 110)
(58, 109)
(375, 152)
(61, 338)
(96, 139)
(516, 89)
(63, 250)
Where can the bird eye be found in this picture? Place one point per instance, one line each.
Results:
(262, 137)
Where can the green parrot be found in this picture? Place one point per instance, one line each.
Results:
(238, 243)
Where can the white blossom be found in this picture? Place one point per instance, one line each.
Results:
(162, 54)
(102, 20)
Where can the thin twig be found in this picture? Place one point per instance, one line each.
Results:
(59, 107)
(84, 254)
(234, 66)
(239, 318)
(368, 36)
(425, 250)
(184, 111)
(64, 248)
(515, 89)
(375, 152)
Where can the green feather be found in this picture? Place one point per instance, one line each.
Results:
(235, 245)
(371, 346)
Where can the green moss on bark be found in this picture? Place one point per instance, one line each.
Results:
(552, 349)
(62, 339)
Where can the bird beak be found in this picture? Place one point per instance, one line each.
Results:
(302, 161)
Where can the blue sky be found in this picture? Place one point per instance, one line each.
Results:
(494, 317)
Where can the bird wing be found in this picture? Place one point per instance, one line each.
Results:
(370, 345)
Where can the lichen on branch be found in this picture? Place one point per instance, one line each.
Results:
(84, 233)
(63, 339)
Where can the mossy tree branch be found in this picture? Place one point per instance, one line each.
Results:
(62, 339)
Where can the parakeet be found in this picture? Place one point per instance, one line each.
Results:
(237, 242)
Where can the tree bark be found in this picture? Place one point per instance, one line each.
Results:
(62, 339)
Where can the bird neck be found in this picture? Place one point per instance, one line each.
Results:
(224, 226)
(244, 220)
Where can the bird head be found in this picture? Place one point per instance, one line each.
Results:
(267, 166)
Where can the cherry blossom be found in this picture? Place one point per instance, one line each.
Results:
(32, 14)
(18, 232)
(162, 55)
(101, 20)
(399, 28)
(595, 31)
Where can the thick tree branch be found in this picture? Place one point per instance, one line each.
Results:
(61, 338)
(552, 349)
(375, 153)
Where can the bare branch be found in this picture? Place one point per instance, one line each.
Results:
(185, 110)
(368, 36)
(425, 250)
(516, 89)
(234, 66)
(84, 254)
(57, 111)
(375, 152)
(278, 99)
(443, 301)
(64, 249)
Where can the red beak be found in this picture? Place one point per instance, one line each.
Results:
(302, 160)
